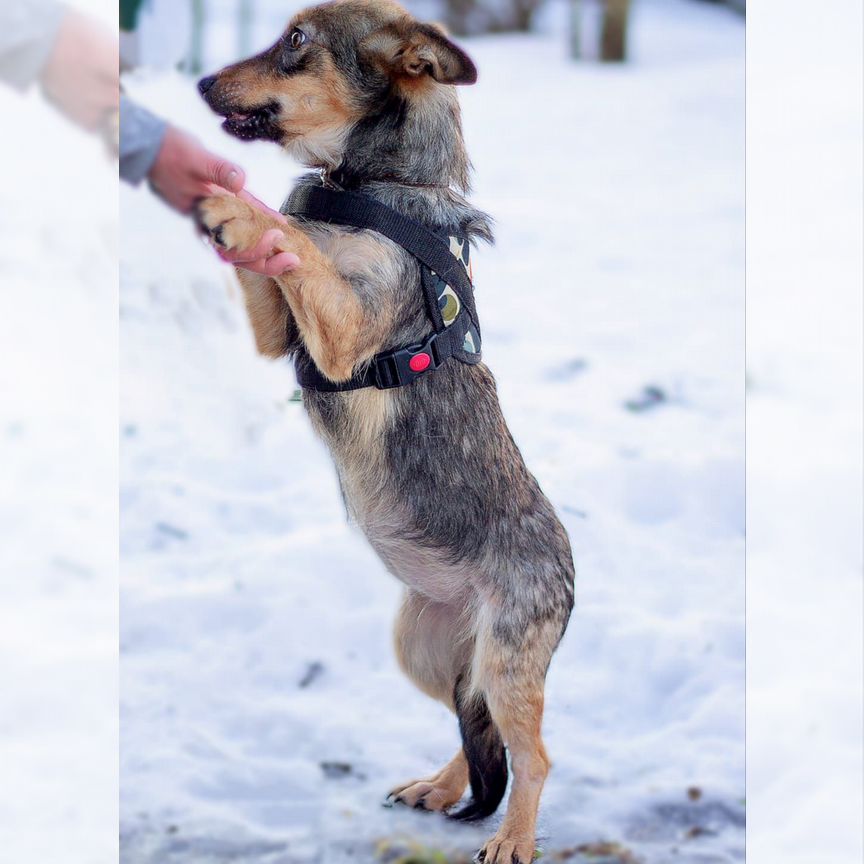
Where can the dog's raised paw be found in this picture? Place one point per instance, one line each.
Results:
(230, 222)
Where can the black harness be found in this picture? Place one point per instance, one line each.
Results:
(444, 277)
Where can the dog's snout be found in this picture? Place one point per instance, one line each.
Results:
(206, 83)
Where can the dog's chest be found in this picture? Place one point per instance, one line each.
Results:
(372, 263)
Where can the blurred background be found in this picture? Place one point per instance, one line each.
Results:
(58, 440)
(263, 715)
(196, 33)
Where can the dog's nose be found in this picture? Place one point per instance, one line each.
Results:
(206, 83)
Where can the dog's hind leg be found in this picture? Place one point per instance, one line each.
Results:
(484, 752)
(438, 792)
(509, 671)
(432, 646)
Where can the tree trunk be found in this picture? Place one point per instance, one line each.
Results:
(457, 14)
(523, 12)
(471, 17)
(613, 44)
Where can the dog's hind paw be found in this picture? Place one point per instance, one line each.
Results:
(425, 795)
(507, 849)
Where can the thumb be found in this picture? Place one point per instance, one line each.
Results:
(224, 173)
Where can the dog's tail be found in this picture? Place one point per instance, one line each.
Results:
(485, 752)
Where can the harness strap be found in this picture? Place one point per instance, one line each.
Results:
(458, 338)
(348, 208)
(386, 370)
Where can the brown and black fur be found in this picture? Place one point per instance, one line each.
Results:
(429, 471)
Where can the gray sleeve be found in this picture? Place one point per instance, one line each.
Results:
(28, 30)
(141, 135)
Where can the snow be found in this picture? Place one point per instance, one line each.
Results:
(618, 195)
(58, 482)
(805, 591)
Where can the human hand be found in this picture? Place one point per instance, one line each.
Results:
(263, 257)
(184, 171)
(82, 75)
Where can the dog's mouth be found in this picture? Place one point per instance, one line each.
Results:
(254, 123)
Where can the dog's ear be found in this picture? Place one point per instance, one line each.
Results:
(412, 50)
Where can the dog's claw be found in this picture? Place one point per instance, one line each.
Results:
(480, 857)
(393, 798)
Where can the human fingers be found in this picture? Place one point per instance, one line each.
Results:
(281, 262)
(264, 248)
(275, 265)
(222, 172)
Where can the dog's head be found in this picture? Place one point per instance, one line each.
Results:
(338, 69)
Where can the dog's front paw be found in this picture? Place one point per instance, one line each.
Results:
(230, 222)
(508, 848)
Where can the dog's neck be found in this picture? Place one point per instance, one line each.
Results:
(434, 205)
(347, 180)
(410, 142)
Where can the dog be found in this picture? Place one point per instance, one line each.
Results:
(359, 89)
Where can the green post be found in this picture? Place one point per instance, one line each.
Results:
(575, 29)
(129, 14)
(196, 49)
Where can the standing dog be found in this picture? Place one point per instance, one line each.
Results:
(429, 471)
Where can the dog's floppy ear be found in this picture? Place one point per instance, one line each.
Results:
(412, 50)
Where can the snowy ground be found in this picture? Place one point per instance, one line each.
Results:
(805, 525)
(263, 716)
(58, 488)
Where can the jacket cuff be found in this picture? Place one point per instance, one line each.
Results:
(141, 136)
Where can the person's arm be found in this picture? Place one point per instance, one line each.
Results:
(179, 169)
(141, 137)
(181, 172)
(73, 57)
(28, 33)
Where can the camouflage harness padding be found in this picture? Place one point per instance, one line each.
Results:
(445, 278)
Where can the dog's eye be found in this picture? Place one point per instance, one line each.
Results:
(296, 38)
